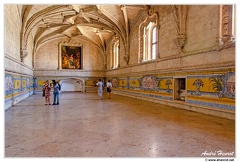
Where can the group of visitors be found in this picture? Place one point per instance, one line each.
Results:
(101, 87)
(47, 92)
(57, 87)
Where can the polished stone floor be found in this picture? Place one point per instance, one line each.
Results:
(84, 126)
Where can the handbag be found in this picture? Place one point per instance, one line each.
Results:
(43, 94)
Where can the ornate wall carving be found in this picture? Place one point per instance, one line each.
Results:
(226, 23)
(180, 16)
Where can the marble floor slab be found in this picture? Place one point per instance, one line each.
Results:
(84, 126)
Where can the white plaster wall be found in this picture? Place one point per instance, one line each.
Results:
(71, 85)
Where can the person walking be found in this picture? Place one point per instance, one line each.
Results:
(109, 88)
(46, 91)
(100, 88)
(55, 93)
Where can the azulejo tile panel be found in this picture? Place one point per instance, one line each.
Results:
(17, 86)
(207, 88)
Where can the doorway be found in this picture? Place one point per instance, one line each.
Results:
(179, 89)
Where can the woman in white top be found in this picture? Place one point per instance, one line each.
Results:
(109, 87)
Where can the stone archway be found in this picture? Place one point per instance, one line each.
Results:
(72, 85)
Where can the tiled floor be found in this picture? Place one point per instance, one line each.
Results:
(84, 126)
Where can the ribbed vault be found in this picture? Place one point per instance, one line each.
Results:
(97, 24)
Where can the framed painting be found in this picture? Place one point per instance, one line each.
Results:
(71, 57)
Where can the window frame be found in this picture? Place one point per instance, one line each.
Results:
(114, 59)
(146, 45)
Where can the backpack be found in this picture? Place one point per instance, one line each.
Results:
(59, 87)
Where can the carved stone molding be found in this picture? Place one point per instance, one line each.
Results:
(126, 58)
(23, 54)
(226, 26)
(180, 42)
(180, 17)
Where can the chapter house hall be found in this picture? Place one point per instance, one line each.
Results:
(112, 80)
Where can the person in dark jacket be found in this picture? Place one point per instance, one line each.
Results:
(55, 93)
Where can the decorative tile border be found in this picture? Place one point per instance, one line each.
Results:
(216, 105)
(214, 88)
(144, 94)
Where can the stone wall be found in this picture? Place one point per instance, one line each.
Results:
(18, 73)
(206, 91)
(49, 60)
(207, 68)
(48, 64)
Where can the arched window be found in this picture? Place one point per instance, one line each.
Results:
(227, 29)
(114, 59)
(115, 54)
(148, 39)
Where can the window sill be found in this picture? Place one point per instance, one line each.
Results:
(147, 62)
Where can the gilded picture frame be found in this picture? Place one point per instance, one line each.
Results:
(71, 57)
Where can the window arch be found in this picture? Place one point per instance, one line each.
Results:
(148, 39)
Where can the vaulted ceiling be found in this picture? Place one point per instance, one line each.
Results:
(96, 24)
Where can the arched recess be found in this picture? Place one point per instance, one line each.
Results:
(72, 85)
